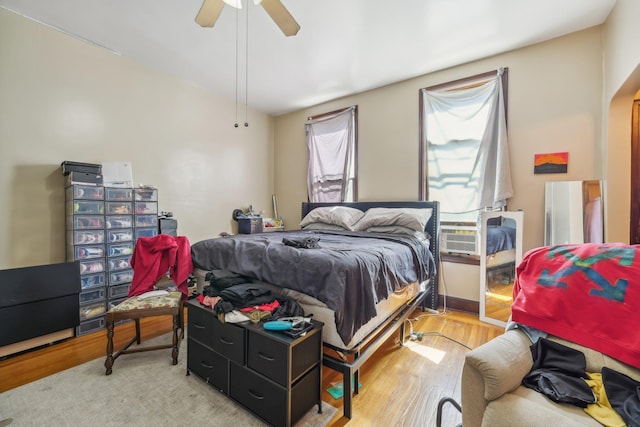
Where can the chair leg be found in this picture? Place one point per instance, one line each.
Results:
(138, 340)
(174, 351)
(109, 362)
(181, 314)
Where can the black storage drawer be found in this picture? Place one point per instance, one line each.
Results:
(26, 321)
(305, 394)
(208, 365)
(37, 283)
(269, 357)
(305, 354)
(228, 340)
(200, 325)
(265, 398)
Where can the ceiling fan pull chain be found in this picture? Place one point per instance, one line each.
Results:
(246, 74)
(237, 19)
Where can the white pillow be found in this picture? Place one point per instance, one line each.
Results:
(415, 219)
(341, 216)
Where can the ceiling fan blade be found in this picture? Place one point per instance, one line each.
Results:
(281, 17)
(209, 12)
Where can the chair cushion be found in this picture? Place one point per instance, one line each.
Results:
(170, 300)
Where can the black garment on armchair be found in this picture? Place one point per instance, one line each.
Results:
(623, 393)
(558, 372)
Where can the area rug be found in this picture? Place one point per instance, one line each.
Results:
(143, 390)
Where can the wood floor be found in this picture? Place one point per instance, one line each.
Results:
(401, 385)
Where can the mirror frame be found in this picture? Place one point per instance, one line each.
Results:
(518, 217)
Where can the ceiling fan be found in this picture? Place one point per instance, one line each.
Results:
(210, 10)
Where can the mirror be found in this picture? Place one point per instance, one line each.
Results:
(573, 212)
(501, 252)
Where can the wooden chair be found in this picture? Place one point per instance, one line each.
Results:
(136, 308)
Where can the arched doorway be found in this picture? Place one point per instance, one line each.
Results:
(634, 237)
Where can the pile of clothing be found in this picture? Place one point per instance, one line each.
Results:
(235, 298)
(559, 372)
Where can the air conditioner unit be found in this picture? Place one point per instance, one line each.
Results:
(460, 239)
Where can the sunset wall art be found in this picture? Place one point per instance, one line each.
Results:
(551, 163)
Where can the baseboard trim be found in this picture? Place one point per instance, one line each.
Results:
(460, 304)
(36, 342)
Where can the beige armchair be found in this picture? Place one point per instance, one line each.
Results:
(492, 394)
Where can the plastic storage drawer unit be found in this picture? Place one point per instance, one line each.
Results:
(86, 192)
(85, 222)
(119, 221)
(85, 237)
(146, 221)
(121, 263)
(92, 310)
(92, 266)
(145, 194)
(93, 295)
(119, 208)
(90, 326)
(124, 235)
(85, 207)
(92, 281)
(120, 249)
(118, 194)
(118, 291)
(145, 208)
(85, 252)
(146, 232)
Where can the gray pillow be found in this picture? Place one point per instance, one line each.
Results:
(322, 226)
(398, 229)
(341, 216)
(414, 219)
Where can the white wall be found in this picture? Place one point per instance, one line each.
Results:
(62, 99)
(622, 81)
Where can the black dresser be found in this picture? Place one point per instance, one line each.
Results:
(277, 377)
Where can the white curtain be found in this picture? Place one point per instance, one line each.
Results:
(331, 144)
(467, 128)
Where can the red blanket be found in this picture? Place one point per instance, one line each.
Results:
(588, 294)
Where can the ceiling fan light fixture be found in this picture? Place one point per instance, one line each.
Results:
(234, 3)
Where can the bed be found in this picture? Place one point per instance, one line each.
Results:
(362, 283)
(501, 243)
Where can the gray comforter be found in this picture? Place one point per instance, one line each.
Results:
(350, 271)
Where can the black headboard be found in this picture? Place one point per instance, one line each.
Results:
(432, 227)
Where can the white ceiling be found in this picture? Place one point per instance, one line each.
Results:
(343, 47)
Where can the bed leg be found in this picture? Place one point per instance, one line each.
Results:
(401, 334)
(346, 392)
(356, 376)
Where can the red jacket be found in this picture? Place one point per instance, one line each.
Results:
(155, 256)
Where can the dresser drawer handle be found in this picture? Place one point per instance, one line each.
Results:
(256, 396)
(197, 325)
(265, 356)
(224, 341)
(206, 365)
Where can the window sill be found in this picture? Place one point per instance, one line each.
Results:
(460, 259)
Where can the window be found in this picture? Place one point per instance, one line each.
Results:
(464, 156)
(332, 143)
